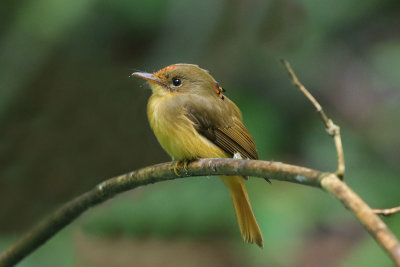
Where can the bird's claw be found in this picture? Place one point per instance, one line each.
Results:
(178, 166)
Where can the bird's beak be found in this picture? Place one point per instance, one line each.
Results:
(148, 76)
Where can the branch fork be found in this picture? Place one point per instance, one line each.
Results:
(330, 182)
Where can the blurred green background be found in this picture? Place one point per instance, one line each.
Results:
(71, 116)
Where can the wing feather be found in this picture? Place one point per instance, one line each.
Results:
(236, 139)
(228, 134)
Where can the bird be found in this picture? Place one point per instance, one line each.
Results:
(192, 119)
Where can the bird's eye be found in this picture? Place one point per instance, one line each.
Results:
(176, 82)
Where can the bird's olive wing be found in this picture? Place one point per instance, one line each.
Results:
(229, 134)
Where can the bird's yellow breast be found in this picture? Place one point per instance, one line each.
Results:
(176, 133)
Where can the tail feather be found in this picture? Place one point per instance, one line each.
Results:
(247, 222)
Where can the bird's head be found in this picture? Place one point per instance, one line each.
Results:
(181, 78)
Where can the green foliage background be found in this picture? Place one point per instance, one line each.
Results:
(70, 117)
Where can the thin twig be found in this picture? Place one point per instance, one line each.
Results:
(375, 226)
(387, 212)
(332, 129)
(162, 172)
(165, 171)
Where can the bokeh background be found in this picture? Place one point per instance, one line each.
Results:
(70, 117)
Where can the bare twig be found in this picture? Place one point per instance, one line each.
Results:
(165, 171)
(332, 129)
(273, 170)
(375, 226)
(387, 212)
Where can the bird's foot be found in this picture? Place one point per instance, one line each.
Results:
(178, 164)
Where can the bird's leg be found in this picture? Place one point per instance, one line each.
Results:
(177, 167)
(185, 164)
(178, 164)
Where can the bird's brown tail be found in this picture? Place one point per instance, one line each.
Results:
(247, 222)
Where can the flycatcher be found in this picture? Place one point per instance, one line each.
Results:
(192, 119)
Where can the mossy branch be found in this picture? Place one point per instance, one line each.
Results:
(330, 182)
(165, 171)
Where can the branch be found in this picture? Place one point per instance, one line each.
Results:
(387, 212)
(165, 171)
(332, 129)
(273, 170)
(375, 226)
(350, 200)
